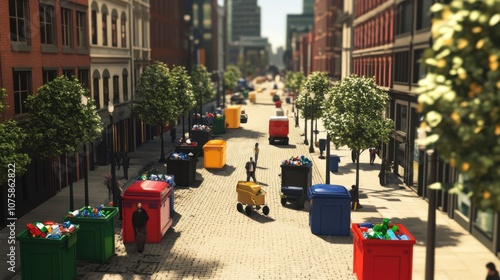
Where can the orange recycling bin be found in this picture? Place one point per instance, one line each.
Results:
(155, 199)
(233, 114)
(214, 154)
(252, 96)
(382, 259)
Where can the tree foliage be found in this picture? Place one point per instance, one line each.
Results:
(11, 142)
(353, 113)
(155, 99)
(231, 77)
(202, 85)
(294, 81)
(59, 122)
(181, 85)
(460, 95)
(317, 84)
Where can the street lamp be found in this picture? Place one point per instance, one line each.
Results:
(85, 160)
(431, 212)
(111, 108)
(215, 78)
(305, 117)
(200, 84)
(221, 78)
(311, 146)
(187, 20)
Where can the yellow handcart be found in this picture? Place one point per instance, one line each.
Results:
(252, 195)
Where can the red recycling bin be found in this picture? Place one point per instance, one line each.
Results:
(155, 199)
(277, 104)
(382, 259)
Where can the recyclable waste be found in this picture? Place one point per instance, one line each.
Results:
(384, 231)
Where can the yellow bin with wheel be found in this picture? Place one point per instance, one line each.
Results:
(251, 195)
(252, 96)
(233, 116)
(214, 154)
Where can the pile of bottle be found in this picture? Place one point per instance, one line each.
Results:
(89, 212)
(180, 155)
(383, 231)
(201, 127)
(297, 161)
(50, 229)
(157, 177)
(189, 142)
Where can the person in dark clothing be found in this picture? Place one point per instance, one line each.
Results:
(373, 153)
(139, 221)
(381, 174)
(354, 154)
(492, 272)
(250, 167)
(354, 198)
(118, 158)
(126, 165)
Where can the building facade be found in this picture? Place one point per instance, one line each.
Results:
(48, 38)
(243, 19)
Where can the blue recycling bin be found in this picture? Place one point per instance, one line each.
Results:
(329, 210)
(334, 163)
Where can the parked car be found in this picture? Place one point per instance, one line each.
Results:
(237, 98)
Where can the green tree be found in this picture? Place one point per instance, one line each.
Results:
(11, 143)
(231, 77)
(353, 115)
(203, 86)
(460, 96)
(181, 84)
(59, 123)
(155, 99)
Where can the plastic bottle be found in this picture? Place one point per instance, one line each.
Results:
(76, 213)
(404, 237)
(367, 225)
(391, 235)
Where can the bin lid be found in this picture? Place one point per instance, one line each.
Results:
(324, 190)
(215, 143)
(148, 188)
(278, 118)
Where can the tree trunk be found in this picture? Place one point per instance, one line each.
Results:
(162, 156)
(357, 177)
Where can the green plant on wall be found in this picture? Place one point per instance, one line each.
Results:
(460, 95)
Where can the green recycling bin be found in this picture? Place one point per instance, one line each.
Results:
(245, 94)
(219, 125)
(96, 239)
(45, 258)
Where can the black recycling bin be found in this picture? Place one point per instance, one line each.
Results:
(201, 137)
(183, 170)
(299, 176)
(187, 149)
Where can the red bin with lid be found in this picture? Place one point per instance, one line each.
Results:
(155, 199)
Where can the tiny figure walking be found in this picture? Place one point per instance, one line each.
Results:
(354, 154)
(256, 152)
(139, 221)
(373, 152)
(250, 168)
(126, 164)
(118, 158)
(492, 272)
(381, 174)
(354, 198)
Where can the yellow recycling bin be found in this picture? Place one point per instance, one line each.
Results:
(252, 195)
(252, 96)
(233, 115)
(214, 154)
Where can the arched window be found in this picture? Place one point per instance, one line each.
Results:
(123, 28)
(104, 15)
(93, 22)
(114, 28)
(95, 87)
(125, 84)
(105, 85)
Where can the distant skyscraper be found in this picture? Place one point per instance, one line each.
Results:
(243, 19)
(308, 7)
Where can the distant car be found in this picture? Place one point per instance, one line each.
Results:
(237, 98)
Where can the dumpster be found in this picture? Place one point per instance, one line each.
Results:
(232, 114)
(96, 238)
(252, 97)
(299, 176)
(287, 100)
(252, 195)
(334, 163)
(329, 210)
(278, 129)
(187, 149)
(296, 195)
(155, 199)
(170, 179)
(215, 154)
(280, 112)
(46, 258)
(201, 137)
(375, 257)
(219, 125)
(183, 168)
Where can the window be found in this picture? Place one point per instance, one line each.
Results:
(49, 75)
(83, 77)
(104, 29)
(124, 33)
(81, 38)
(18, 14)
(96, 92)
(419, 71)
(125, 87)
(94, 27)
(114, 32)
(401, 69)
(69, 73)
(116, 89)
(22, 88)
(484, 221)
(66, 27)
(404, 17)
(105, 89)
(47, 23)
(401, 117)
(424, 14)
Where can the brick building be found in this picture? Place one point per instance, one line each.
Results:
(47, 39)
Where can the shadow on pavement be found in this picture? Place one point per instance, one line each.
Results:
(291, 146)
(332, 239)
(226, 170)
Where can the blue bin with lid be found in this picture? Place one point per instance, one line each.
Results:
(329, 209)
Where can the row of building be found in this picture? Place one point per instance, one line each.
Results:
(386, 39)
